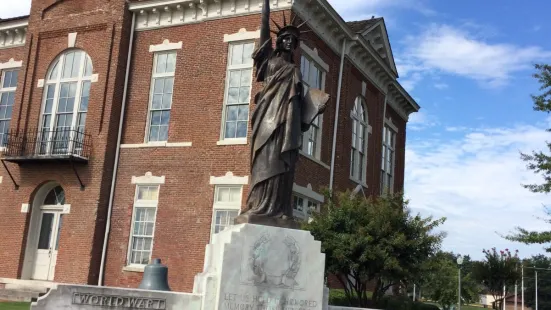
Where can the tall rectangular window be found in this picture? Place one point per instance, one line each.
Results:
(8, 84)
(238, 91)
(143, 224)
(312, 76)
(388, 160)
(227, 205)
(162, 83)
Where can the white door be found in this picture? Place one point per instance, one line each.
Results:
(46, 251)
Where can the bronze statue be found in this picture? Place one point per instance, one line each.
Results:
(284, 110)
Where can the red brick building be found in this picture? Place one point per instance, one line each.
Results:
(124, 128)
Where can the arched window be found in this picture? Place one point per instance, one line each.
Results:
(360, 130)
(65, 103)
(56, 196)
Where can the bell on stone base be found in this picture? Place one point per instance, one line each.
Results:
(155, 277)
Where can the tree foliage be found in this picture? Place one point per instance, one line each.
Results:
(538, 161)
(374, 240)
(498, 270)
(440, 280)
(544, 282)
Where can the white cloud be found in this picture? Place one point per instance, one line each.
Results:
(441, 86)
(475, 181)
(457, 51)
(422, 120)
(14, 8)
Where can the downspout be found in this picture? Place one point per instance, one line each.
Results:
(117, 153)
(336, 125)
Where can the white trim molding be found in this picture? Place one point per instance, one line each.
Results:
(237, 141)
(155, 144)
(242, 35)
(13, 33)
(134, 268)
(165, 46)
(314, 55)
(390, 124)
(229, 179)
(10, 64)
(308, 192)
(66, 209)
(71, 39)
(148, 178)
(155, 14)
(25, 208)
(1, 176)
(40, 83)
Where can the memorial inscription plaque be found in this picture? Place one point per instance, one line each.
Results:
(130, 302)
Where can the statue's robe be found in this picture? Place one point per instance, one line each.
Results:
(283, 112)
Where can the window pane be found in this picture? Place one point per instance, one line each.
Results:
(247, 53)
(84, 97)
(246, 76)
(244, 95)
(233, 95)
(231, 130)
(224, 219)
(235, 77)
(46, 231)
(237, 54)
(53, 73)
(88, 70)
(161, 63)
(223, 194)
(171, 62)
(76, 65)
(148, 192)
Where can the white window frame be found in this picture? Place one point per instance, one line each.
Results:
(2, 92)
(221, 206)
(388, 173)
(229, 68)
(304, 215)
(56, 82)
(142, 204)
(154, 76)
(307, 195)
(354, 151)
(313, 60)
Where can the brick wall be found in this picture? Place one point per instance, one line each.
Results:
(47, 37)
(185, 204)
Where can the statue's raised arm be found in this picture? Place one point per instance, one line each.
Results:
(265, 49)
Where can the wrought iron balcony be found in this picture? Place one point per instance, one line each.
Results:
(35, 145)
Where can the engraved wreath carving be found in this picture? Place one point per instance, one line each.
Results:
(277, 271)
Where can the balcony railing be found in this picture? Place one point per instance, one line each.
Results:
(44, 144)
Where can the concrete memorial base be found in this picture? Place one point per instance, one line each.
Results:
(253, 267)
(247, 267)
(95, 298)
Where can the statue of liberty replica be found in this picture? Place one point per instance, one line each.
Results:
(284, 110)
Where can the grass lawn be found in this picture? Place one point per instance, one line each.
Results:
(15, 305)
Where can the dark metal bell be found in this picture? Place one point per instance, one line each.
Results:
(155, 277)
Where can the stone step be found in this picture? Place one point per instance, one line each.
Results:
(18, 295)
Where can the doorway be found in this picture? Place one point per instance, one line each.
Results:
(48, 210)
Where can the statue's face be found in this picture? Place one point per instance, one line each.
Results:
(289, 43)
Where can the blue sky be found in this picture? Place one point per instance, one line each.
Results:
(469, 64)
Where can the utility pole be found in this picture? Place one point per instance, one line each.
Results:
(536, 289)
(504, 300)
(516, 294)
(522, 285)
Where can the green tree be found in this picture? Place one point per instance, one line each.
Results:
(539, 162)
(498, 270)
(373, 241)
(440, 280)
(544, 282)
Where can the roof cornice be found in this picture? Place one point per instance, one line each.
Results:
(13, 32)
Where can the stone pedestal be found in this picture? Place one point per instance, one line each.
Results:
(253, 267)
